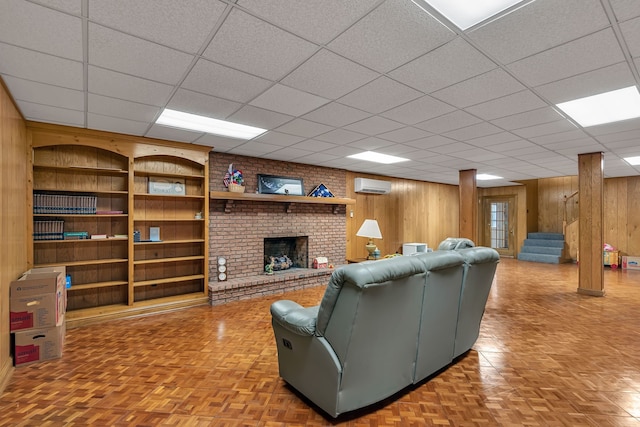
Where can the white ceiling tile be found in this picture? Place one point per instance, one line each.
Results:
(42, 29)
(219, 143)
(224, 82)
(314, 145)
(625, 9)
(70, 6)
(591, 83)
(254, 149)
(39, 93)
(48, 114)
(376, 42)
(448, 64)
(491, 85)
(631, 33)
(623, 126)
(547, 140)
(318, 20)
(632, 136)
(380, 95)
(370, 144)
(530, 118)
(286, 154)
(545, 129)
(452, 148)
(305, 128)
(249, 44)
(116, 124)
(404, 134)
(120, 52)
(335, 114)
(345, 150)
(172, 134)
(473, 131)
(418, 110)
(39, 67)
(340, 136)
(317, 159)
(374, 125)
(497, 138)
(538, 26)
(114, 107)
(448, 122)
(432, 141)
(183, 25)
(254, 116)
(511, 145)
(279, 138)
(507, 105)
(118, 85)
(286, 100)
(204, 105)
(588, 53)
(318, 75)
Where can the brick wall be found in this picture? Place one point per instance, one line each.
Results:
(239, 235)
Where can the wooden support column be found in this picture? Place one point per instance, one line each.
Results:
(468, 205)
(591, 214)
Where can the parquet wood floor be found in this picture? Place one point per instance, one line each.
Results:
(546, 357)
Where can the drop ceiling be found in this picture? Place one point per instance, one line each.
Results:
(332, 78)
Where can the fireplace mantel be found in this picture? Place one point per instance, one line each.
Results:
(230, 197)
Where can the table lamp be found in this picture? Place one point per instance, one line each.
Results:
(370, 229)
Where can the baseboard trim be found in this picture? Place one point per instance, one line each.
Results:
(591, 292)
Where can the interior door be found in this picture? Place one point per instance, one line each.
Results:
(500, 224)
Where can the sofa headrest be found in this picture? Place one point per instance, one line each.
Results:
(479, 255)
(440, 260)
(455, 243)
(362, 274)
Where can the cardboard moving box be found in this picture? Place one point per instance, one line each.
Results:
(37, 300)
(36, 345)
(631, 262)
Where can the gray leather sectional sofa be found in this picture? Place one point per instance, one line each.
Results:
(383, 325)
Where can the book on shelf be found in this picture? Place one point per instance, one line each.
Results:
(109, 212)
(98, 236)
(76, 235)
(64, 204)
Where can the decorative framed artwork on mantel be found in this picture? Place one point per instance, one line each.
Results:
(273, 184)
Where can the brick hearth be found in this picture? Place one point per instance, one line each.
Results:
(239, 235)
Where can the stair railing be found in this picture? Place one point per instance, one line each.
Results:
(570, 212)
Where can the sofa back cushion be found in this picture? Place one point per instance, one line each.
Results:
(439, 311)
(370, 315)
(480, 268)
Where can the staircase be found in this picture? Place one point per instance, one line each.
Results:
(543, 247)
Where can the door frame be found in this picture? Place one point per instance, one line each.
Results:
(485, 229)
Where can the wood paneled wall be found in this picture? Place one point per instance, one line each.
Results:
(13, 215)
(621, 220)
(415, 211)
(551, 192)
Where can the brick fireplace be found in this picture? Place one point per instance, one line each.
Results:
(239, 233)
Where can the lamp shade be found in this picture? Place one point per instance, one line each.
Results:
(370, 229)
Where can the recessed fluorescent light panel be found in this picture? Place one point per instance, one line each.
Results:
(372, 156)
(633, 161)
(179, 119)
(614, 106)
(486, 177)
(467, 13)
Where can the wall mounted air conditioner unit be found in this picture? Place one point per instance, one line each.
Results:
(374, 186)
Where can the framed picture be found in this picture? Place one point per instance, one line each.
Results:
(272, 184)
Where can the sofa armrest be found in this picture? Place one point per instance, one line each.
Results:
(295, 318)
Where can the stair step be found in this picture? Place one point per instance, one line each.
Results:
(545, 250)
(547, 259)
(545, 236)
(552, 243)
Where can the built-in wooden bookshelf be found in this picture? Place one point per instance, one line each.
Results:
(114, 275)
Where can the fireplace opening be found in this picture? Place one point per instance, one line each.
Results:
(283, 253)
